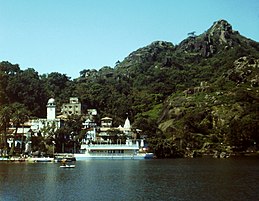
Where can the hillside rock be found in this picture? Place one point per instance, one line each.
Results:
(218, 37)
(222, 30)
(147, 54)
(217, 118)
(245, 70)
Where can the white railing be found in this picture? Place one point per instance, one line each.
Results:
(109, 146)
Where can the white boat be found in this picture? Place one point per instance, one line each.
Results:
(4, 159)
(40, 159)
(64, 156)
(68, 166)
(13, 159)
(111, 151)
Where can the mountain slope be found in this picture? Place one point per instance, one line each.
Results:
(216, 49)
(208, 87)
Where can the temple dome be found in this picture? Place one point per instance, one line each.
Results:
(51, 101)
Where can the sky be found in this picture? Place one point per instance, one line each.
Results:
(68, 36)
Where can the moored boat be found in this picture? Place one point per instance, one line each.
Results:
(40, 159)
(13, 159)
(68, 166)
(4, 159)
(67, 157)
(129, 150)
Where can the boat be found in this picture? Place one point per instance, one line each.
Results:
(129, 150)
(67, 166)
(64, 164)
(4, 159)
(61, 156)
(40, 159)
(13, 159)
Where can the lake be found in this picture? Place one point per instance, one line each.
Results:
(176, 179)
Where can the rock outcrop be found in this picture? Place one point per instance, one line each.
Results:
(147, 54)
(245, 70)
(219, 36)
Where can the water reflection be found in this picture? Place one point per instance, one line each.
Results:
(177, 179)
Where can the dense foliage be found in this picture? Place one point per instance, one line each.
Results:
(200, 96)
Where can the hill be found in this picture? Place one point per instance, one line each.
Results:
(205, 91)
(197, 97)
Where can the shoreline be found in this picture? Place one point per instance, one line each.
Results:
(224, 156)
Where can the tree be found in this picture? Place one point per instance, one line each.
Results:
(25, 87)
(19, 116)
(69, 135)
(5, 116)
(8, 68)
(58, 86)
(7, 71)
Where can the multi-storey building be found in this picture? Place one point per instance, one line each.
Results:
(71, 108)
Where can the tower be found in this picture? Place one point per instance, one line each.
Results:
(127, 127)
(51, 109)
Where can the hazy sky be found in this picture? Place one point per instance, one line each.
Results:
(68, 36)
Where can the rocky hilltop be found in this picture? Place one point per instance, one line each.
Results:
(217, 38)
(210, 92)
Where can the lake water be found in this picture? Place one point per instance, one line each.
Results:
(176, 179)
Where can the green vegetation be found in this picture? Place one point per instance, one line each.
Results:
(199, 97)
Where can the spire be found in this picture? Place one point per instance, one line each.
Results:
(127, 126)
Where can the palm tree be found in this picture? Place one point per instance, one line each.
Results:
(5, 116)
(19, 116)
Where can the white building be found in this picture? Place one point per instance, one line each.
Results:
(51, 109)
(71, 108)
(90, 128)
(106, 123)
(49, 125)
